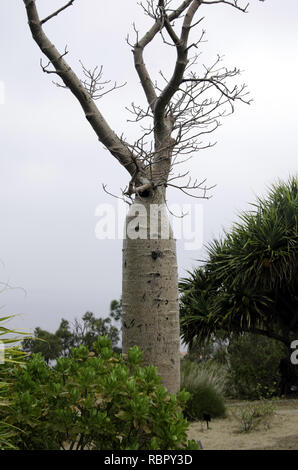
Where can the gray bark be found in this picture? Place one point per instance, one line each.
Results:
(150, 292)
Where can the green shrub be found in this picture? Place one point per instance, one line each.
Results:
(251, 415)
(253, 366)
(204, 399)
(98, 400)
(203, 382)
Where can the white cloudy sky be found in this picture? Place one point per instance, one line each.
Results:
(52, 165)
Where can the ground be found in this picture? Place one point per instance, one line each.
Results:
(223, 434)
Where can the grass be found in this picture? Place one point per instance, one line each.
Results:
(204, 382)
(193, 373)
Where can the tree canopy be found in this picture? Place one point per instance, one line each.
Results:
(81, 332)
(248, 283)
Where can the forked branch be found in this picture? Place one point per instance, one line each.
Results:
(181, 113)
(191, 103)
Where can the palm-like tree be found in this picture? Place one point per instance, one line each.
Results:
(249, 280)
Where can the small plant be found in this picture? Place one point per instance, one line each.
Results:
(204, 399)
(96, 400)
(205, 388)
(251, 415)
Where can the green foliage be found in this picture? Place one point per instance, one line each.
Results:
(204, 399)
(212, 350)
(96, 400)
(253, 414)
(253, 366)
(204, 382)
(116, 310)
(86, 332)
(82, 332)
(44, 342)
(200, 352)
(250, 278)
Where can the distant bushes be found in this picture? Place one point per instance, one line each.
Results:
(253, 366)
(247, 368)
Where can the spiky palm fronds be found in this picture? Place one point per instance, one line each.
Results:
(249, 280)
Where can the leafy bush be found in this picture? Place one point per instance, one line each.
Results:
(251, 415)
(204, 383)
(98, 400)
(253, 366)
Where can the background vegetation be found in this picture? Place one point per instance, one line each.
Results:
(249, 281)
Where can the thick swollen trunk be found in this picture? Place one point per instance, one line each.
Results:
(150, 290)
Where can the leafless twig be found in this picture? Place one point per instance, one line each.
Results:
(94, 84)
(57, 12)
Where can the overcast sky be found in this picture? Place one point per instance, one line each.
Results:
(52, 165)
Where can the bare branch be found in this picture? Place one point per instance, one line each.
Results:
(189, 186)
(94, 84)
(122, 198)
(181, 64)
(182, 111)
(234, 3)
(46, 70)
(181, 216)
(57, 12)
(140, 45)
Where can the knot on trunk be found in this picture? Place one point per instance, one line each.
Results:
(156, 254)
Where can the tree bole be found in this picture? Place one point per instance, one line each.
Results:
(150, 290)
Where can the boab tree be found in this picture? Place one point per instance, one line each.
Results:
(180, 112)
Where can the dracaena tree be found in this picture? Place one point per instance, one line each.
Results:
(249, 280)
(182, 108)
